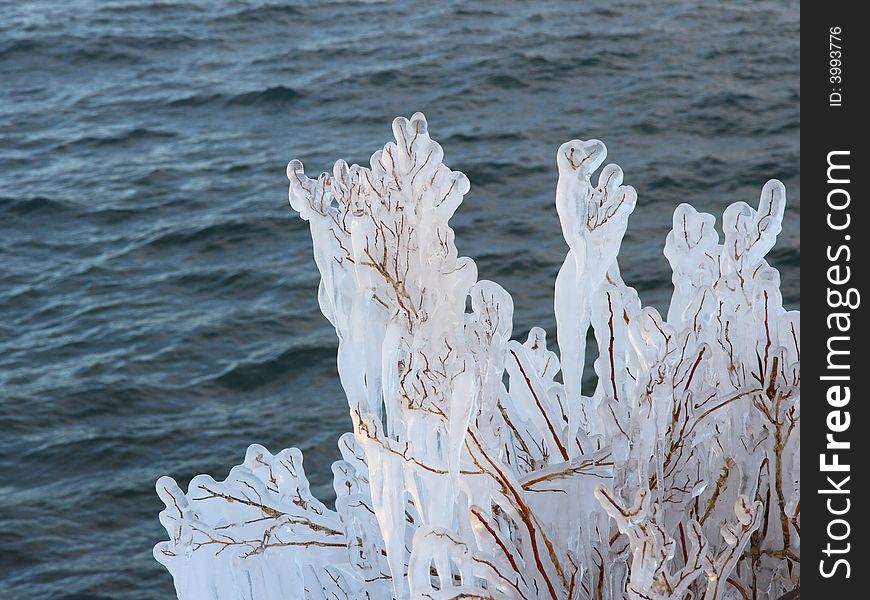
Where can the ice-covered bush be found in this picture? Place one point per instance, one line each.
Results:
(478, 465)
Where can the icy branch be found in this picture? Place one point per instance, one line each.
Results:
(478, 466)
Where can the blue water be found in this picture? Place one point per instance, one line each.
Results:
(158, 299)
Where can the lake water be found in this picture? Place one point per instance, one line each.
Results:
(157, 296)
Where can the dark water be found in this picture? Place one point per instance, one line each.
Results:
(157, 298)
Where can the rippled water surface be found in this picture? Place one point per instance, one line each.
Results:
(158, 299)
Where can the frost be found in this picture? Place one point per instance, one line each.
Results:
(478, 465)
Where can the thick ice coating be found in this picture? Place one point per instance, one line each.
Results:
(477, 465)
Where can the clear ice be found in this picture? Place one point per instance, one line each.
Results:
(478, 465)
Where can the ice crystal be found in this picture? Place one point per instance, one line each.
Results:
(478, 466)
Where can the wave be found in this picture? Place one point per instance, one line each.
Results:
(490, 172)
(248, 376)
(37, 205)
(506, 82)
(269, 14)
(219, 233)
(278, 94)
(217, 282)
(462, 137)
(136, 134)
(87, 50)
(22, 46)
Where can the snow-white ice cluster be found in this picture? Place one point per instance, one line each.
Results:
(480, 466)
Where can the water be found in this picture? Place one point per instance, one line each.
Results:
(158, 300)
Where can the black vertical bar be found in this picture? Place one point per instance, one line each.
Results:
(834, 61)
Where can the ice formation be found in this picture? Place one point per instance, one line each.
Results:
(479, 466)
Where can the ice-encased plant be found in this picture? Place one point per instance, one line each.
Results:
(479, 466)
